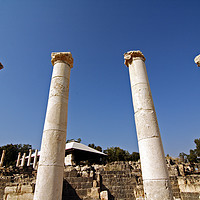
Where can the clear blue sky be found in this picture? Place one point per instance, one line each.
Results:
(98, 33)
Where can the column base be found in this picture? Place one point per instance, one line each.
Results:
(157, 190)
(49, 183)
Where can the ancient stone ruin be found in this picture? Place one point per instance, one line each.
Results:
(51, 165)
(114, 181)
(154, 171)
(155, 178)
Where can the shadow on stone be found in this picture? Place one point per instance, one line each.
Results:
(69, 193)
(110, 196)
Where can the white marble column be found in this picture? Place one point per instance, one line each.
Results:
(197, 60)
(29, 157)
(23, 160)
(18, 159)
(154, 170)
(2, 158)
(35, 159)
(51, 164)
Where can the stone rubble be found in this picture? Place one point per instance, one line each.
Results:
(118, 180)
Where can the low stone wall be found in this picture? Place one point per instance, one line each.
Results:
(22, 192)
(122, 180)
(189, 187)
(17, 183)
(114, 181)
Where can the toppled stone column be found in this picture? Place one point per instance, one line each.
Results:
(29, 157)
(197, 60)
(51, 164)
(35, 159)
(2, 158)
(154, 170)
(23, 160)
(18, 159)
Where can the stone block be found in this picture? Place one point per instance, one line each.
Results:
(26, 196)
(104, 195)
(27, 189)
(10, 189)
(82, 192)
(95, 192)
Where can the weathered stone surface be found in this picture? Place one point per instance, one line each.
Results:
(160, 189)
(123, 183)
(146, 124)
(189, 184)
(197, 60)
(104, 195)
(152, 153)
(152, 156)
(142, 98)
(51, 165)
(95, 192)
(62, 57)
(22, 192)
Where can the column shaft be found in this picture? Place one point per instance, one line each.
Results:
(2, 158)
(29, 157)
(51, 164)
(18, 159)
(154, 170)
(23, 160)
(35, 159)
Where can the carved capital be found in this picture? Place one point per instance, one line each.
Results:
(1, 66)
(197, 60)
(65, 57)
(130, 55)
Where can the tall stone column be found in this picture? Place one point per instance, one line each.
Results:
(51, 164)
(29, 157)
(35, 159)
(154, 170)
(197, 60)
(18, 159)
(2, 158)
(23, 160)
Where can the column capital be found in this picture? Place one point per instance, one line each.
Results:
(197, 60)
(128, 57)
(65, 57)
(1, 66)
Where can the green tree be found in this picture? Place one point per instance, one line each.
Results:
(79, 140)
(73, 140)
(192, 157)
(12, 151)
(98, 148)
(135, 156)
(118, 154)
(197, 142)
